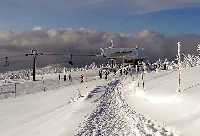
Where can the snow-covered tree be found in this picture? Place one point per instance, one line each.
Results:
(190, 61)
(198, 48)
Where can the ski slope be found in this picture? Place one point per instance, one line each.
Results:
(161, 101)
(51, 113)
(113, 116)
(74, 108)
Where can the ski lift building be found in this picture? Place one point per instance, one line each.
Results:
(126, 55)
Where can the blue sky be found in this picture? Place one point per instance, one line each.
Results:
(166, 16)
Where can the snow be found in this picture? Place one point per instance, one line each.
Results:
(45, 113)
(161, 101)
(108, 107)
(51, 82)
(113, 116)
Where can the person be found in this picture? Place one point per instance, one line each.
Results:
(59, 77)
(106, 75)
(142, 76)
(115, 71)
(65, 77)
(82, 78)
(44, 88)
(121, 72)
(70, 77)
(100, 74)
(165, 66)
(125, 72)
(143, 84)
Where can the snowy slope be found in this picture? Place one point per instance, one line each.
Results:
(49, 82)
(51, 113)
(119, 108)
(113, 116)
(161, 101)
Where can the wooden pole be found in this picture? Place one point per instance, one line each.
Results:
(123, 65)
(34, 67)
(34, 54)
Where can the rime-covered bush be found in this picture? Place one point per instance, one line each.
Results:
(190, 61)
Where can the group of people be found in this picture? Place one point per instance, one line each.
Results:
(70, 77)
(65, 77)
(125, 72)
(101, 74)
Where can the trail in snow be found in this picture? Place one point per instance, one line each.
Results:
(113, 116)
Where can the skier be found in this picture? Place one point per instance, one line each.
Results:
(59, 77)
(143, 84)
(65, 77)
(82, 77)
(165, 66)
(106, 75)
(70, 77)
(142, 76)
(100, 74)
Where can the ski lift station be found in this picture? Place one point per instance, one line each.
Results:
(123, 55)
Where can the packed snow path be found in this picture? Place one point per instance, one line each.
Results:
(113, 116)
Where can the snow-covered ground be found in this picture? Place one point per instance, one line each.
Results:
(49, 113)
(107, 107)
(113, 116)
(49, 82)
(161, 101)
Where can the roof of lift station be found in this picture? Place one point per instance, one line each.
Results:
(127, 53)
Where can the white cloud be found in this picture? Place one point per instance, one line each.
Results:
(37, 28)
(154, 43)
(52, 33)
(156, 5)
(142, 6)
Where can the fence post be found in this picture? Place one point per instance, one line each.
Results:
(143, 84)
(44, 88)
(143, 80)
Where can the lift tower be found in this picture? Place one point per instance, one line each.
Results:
(34, 53)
